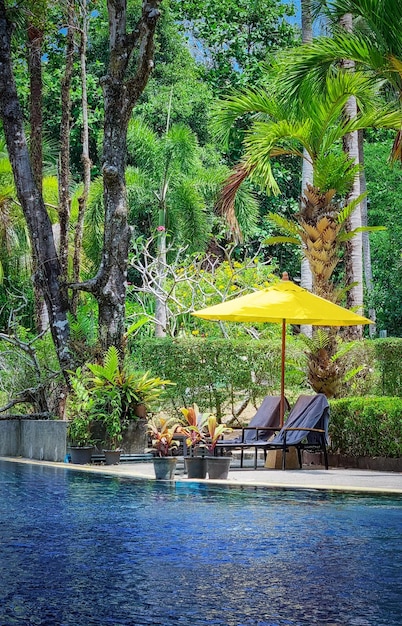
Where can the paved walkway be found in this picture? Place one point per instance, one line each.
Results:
(318, 478)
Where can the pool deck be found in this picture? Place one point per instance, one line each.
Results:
(336, 479)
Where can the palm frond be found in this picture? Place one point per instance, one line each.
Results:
(288, 226)
(142, 145)
(226, 203)
(140, 197)
(334, 170)
(227, 111)
(246, 209)
(316, 59)
(343, 237)
(346, 211)
(272, 241)
(319, 341)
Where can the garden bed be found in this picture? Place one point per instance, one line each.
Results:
(380, 463)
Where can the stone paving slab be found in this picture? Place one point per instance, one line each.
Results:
(337, 479)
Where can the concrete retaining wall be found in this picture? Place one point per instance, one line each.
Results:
(10, 433)
(44, 440)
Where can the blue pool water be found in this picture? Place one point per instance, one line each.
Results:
(83, 550)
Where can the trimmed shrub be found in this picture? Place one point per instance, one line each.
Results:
(388, 353)
(218, 372)
(367, 426)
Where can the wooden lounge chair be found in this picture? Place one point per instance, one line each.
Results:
(305, 428)
(261, 427)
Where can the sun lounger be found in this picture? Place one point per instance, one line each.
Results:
(261, 427)
(305, 428)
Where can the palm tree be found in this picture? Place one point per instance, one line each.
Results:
(321, 230)
(374, 44)
(314, 128)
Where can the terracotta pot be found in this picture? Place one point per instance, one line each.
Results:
(164, 467)
(140, 411)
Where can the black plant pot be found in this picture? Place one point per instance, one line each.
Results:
(81, 455)
(218, 467)
(112, 457)
(164, 467)
(196, 466)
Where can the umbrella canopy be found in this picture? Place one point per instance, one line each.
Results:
(285, 303)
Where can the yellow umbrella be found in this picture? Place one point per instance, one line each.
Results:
(286, 303)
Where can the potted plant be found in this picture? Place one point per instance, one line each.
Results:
(162, 432)
(217, 466)
(113, 430)
(79, 430)
(115, 392)
(193, 429)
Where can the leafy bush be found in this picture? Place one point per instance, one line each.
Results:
(369, 426)
(217, 372)
(388, 353)
(362, 373)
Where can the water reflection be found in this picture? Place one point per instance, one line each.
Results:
(78, 550)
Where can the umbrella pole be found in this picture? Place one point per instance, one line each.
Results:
(282, 403)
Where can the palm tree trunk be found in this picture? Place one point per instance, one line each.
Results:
(160, 300)
(368, 273)
(307, 166)
(354, 248)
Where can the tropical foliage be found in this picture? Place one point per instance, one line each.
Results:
(176, 166)
(162, 431)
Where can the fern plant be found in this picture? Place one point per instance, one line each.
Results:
(111, 393)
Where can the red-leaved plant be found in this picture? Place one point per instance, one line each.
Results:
(162, 433)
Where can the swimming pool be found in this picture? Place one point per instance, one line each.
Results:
(81, 550)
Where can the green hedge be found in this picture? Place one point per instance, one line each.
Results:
(367, 426)
(216, 373)
(388, 354)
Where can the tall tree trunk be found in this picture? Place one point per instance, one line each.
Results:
(35, 38)
(354, 260)
(307, 21)
(121, 92)
(39, 226)
(86, 161)
(368, 273)
(64, 165)
(161, 312)
(160, 301)
(307, 166)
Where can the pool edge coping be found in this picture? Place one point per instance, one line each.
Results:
(114, 471)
